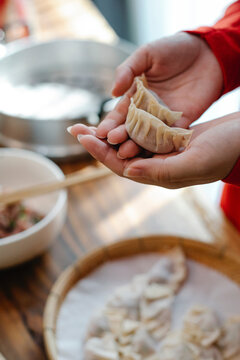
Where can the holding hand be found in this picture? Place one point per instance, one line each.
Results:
(183, 71)
(211, 155)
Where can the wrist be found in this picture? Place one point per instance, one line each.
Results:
(202, 36)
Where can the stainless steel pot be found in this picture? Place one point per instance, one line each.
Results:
(76, 64)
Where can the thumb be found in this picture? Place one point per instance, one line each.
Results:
(135, 65)
(170, 171)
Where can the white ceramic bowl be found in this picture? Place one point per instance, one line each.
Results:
(20, 168)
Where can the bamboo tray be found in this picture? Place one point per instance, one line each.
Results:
(218, 258)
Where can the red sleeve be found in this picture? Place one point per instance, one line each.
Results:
(234, 176)
(230, 203)
(224, 40)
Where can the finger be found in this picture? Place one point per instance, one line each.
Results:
(103, 152)
(114, 118)
(136, 64)
(128, 149)
(81, 129)
(117, 135)
(172, 171)
(183, 123)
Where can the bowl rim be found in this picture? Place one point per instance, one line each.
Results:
(59, 204)
(23, 44)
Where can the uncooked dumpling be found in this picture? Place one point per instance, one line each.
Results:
(229, 343)
(175, 347)
(201, 326)
(142, 343)
(151, 310)
(127, 354)
(115, 318)
(156, 291)
(127, 331)
(126, 299)
(98, 326)
(101, 349)
(145, 100)
(152, 134)
(170, 270)
(211, 353)
(156, 316)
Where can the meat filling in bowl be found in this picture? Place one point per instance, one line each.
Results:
(15, 218)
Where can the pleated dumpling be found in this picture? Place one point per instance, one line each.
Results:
(175, 347)
(152, 133)
(125, 299)
(169, 271)
(211, 353)
(229, 343)
(143, 344)
(145, 100)
(98, 326)
(201, 326)
(103, 348)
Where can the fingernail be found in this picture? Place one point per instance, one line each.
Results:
(99, 136)
(132, 173)
(69, 129)
(120, 157)
(126, 173)
(112, 143)
(112, 90)
(79, 137)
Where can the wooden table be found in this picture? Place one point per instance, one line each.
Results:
(99, 212)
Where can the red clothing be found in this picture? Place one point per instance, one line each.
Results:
(230, 203)
(224, 40)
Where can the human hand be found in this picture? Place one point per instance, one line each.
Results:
(210, 156)
(181, 69)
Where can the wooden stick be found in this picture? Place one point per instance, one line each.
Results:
(75, 178)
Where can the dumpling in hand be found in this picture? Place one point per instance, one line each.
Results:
(152, 134)
(101, 349)
(201, 326)
(229, 342)
(145, 100)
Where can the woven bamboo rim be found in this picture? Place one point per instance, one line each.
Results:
(218, 258)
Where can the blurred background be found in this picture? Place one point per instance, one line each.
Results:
(137, 21)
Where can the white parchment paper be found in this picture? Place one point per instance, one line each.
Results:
(204, 287)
